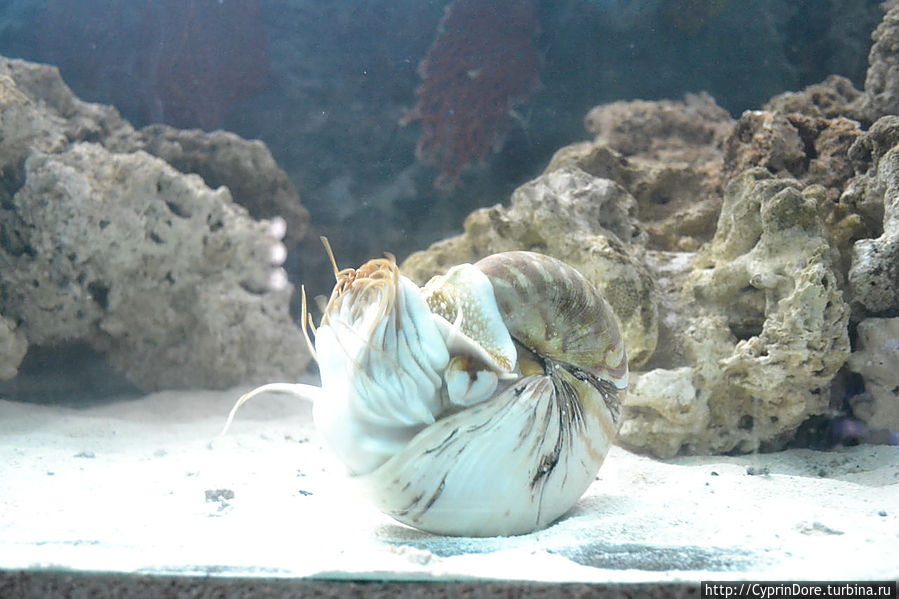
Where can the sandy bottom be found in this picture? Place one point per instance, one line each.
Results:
(147, 485)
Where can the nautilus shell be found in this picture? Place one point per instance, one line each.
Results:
(480, 404)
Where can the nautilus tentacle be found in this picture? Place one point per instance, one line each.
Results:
(483, 403)
(381, 358)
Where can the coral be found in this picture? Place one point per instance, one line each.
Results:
(481, 65)
(583, 220)
(874, 274)
(172, 280)
(876, 359)
(181, 62)
(767, 328)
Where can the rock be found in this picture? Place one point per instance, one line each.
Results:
(55, 117)
(245, 167)
(882, 80)
(767, 328)
(767, 140)
(173, 281)
(876, 359)
(834, 97)
(583, 220)
(667, 154)
(811, 149)
(56, 110)
(668, 398)
(874, 270)
(12, 349)
(660, 128)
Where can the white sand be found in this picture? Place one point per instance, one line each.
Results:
(123, 487)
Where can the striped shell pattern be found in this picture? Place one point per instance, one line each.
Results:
(496, 423)
(481, 404)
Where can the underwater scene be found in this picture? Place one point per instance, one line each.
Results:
(601, 292)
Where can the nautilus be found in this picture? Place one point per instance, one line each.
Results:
(481, 404)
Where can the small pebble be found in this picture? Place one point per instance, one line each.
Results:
(714, 473)
(305, 493)
(882, 513)
(753, 471)
(85, 454)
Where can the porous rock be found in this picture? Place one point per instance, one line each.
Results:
(585, 221)
(874, 270)
(47, 116)
(12, 349)
(245, 167)
(658, 128)
(882, 80)
(168, 277)
(876, 359)
(767, 329)
(667, 154)
(811, 149)
(172, 280)
(834, 97)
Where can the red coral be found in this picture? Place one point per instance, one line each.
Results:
(181, 62)
(481, 65)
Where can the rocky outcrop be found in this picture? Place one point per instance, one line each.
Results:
(763, 327)
(874, 274)
(882, 80)
(667, 154)
(172, 280)
(246, 167)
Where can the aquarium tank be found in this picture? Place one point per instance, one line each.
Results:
(467, 297)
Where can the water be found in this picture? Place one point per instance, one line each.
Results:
(162, 199)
